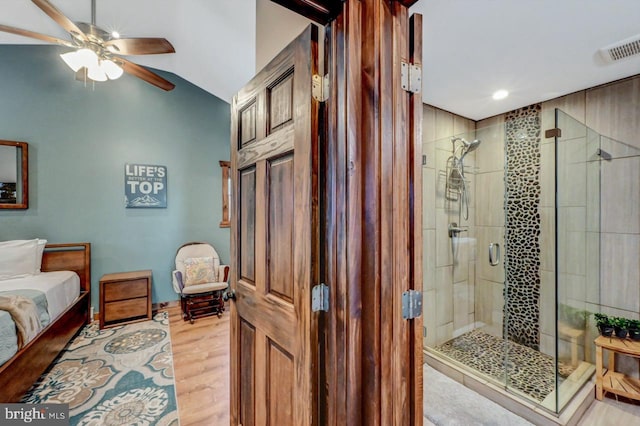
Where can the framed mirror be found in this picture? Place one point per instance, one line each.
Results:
(14, 175)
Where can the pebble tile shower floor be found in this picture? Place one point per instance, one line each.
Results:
(528, 371)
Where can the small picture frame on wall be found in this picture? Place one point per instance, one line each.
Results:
(145, 186)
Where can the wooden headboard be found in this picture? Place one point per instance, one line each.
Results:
(69, 257)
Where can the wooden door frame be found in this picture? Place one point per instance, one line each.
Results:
(371, 370)
(324, 11)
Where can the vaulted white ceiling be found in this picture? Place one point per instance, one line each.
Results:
(214, 39)
(536, 49)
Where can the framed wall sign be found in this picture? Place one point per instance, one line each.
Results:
(145, 186)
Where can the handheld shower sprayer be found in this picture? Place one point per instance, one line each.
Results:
(456, 182)
(469, 147)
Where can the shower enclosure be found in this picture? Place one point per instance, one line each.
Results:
(512, 251)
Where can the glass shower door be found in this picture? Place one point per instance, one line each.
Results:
(463, 214)
(577, 260)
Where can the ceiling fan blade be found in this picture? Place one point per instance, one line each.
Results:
(145, 74)
(60, 18)
(139, 46)
(43, 37)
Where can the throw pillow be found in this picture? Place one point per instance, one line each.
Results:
(17, 258)
(40, 251)
(199, 270)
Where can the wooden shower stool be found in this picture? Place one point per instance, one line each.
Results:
(608, 380)
(573, 334)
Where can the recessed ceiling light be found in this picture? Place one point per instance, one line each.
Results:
(500, 94)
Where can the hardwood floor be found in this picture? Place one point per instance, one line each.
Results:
(201, 368)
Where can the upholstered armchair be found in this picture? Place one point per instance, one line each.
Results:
(200, 280)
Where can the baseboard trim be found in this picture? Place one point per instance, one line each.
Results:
(155, 307)
(164, 305)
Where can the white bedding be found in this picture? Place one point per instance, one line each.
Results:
(60, 287)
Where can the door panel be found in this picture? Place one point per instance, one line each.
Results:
(248, 224)
(280, 101)
(281, 386)
(247, 129)
(280, 247)
(274, 244)
(247, 360)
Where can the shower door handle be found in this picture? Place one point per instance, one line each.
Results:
(494, 254)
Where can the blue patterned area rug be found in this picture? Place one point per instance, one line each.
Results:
(117, 376)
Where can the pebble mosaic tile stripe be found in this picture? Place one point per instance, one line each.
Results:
(522, 230)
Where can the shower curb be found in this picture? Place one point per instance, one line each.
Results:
(569, 416)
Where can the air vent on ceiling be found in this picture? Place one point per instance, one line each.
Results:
(622, 49)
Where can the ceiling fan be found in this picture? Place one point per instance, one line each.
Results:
(96, 55)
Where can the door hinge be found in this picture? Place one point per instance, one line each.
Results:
(411, 77)
(411, 304)
(320, 298)
(553, 133)
(320, 87)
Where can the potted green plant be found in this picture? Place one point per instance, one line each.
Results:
(620, 325)
(604, 324)
(634, 329)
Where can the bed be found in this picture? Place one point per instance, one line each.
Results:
(63, 302)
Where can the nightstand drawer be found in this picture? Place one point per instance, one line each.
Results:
(124, 309)
(125, 290)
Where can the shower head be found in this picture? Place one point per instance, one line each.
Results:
(470, 146)
(465, 146)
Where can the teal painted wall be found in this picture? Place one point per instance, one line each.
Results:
(79, 140)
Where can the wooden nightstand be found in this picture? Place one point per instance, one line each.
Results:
(125, 297)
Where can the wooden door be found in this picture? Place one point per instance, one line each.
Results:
(274, 244)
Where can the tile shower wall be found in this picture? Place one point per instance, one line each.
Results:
(449, 271)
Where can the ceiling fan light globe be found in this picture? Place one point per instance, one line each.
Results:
(73, 60)
(96, 73)
(112, 70)
(88, 58)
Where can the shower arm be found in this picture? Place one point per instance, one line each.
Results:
(457, 149)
